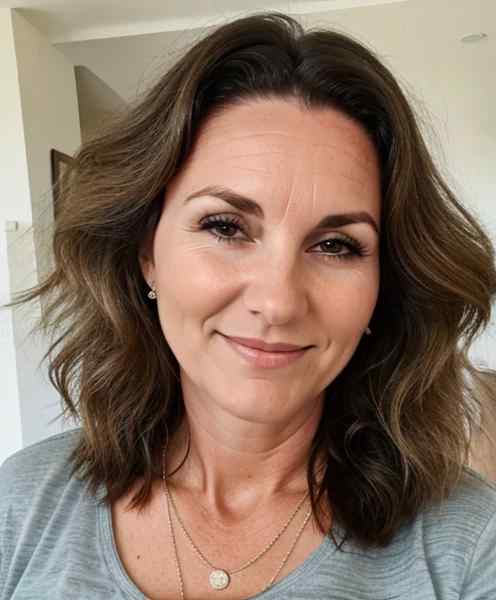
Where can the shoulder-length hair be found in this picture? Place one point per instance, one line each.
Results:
(399, 418)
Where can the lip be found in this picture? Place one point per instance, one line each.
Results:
(264, 359)
(261, 345)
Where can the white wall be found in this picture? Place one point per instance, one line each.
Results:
(454, 85)
(15, 205)
(38, 108)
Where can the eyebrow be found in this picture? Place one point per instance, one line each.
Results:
(251, 207)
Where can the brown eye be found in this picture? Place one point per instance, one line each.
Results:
(227, 225)
(223, 224)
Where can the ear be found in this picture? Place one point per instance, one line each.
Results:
(146, 261)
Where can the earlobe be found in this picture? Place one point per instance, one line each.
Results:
(146, 259)
(147, 268)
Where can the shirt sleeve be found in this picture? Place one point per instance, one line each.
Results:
(480, 581)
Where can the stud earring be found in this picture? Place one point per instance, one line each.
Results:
(151, 294)
(367, 331)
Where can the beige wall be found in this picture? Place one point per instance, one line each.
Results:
(38, 108)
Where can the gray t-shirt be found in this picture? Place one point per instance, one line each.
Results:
(57, 543)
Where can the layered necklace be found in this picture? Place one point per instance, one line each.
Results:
(220, 578)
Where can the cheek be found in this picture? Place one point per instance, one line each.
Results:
(348, 302)
(193, 280)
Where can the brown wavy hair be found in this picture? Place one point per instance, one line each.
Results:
(398, 427)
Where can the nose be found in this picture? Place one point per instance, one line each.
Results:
(277, 291)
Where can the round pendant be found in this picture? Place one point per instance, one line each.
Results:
(219, 579)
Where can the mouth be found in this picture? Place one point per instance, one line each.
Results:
(264, 359)
(259, 344)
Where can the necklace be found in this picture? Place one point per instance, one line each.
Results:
(220, 578)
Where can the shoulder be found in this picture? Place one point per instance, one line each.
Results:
(469, 508)
(459, 536)
(36, 469)
(45, 454)
(447, 548)
(44, 511)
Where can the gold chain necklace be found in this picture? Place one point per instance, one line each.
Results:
(220, 578)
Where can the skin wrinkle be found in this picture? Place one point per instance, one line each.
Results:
(288, 204)
(261, 171)
(316, 172)
(361, 183)
(297, 152)
(256, 424)
(228, 151)
(313, 198)
(348, 129)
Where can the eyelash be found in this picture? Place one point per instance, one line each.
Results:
(214, 222)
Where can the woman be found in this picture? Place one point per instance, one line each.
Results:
(273, 185)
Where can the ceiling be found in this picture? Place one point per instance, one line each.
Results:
(120, 47)
(72, 20)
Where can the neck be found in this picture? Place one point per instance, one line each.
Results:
(234, 470)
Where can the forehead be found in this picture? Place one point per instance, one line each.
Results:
(260, 130)
(279, 151)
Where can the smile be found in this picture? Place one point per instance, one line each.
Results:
(263, 359)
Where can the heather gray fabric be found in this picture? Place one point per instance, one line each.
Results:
(56, 543)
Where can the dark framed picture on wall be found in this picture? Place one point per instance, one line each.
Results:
(60, 163)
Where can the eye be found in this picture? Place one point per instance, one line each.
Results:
(229, 223)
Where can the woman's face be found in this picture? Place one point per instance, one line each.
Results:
(278, 278)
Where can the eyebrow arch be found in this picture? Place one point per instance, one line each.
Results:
(250, 207)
